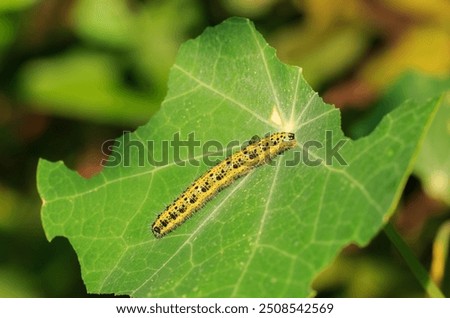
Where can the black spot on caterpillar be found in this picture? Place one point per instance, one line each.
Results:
(256, 153)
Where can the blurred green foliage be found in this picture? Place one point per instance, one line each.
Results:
(74, 73)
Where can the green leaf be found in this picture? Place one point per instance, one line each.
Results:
(433, 162)
(410, 85)
(15, 5)
(267, 235)
(114, 26)
(91, 88)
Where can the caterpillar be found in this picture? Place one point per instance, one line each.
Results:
(256, 153)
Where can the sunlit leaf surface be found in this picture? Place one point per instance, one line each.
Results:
(268, 234)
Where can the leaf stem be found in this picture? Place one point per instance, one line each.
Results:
(417, 269)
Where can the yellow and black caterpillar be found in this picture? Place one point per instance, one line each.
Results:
(258, 152)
